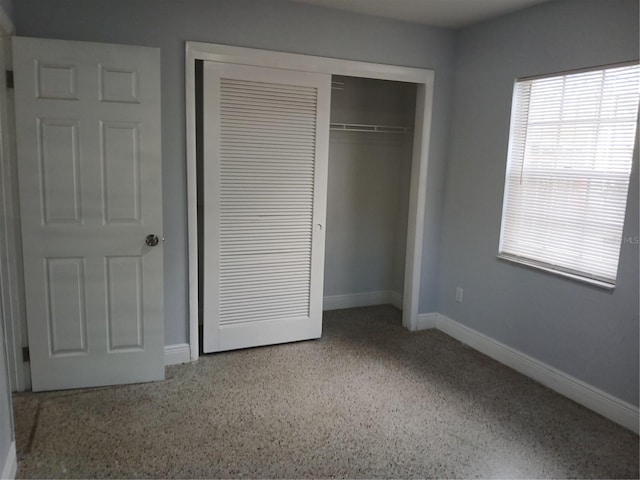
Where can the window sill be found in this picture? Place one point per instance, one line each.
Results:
(532, 264)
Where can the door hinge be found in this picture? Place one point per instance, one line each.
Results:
(9, 76)
(25, 354)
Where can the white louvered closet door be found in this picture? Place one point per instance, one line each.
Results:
(265, 179)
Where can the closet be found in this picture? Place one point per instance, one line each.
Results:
(307, 191)
(370, 152)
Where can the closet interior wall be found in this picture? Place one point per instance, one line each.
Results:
(368, 187)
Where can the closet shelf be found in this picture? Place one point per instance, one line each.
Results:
(357, 127)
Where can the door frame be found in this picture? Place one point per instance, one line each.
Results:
(11, 271)
(423, 78)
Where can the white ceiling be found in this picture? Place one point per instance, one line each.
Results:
(439, 13)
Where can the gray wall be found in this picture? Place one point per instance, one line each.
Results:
(7, 6)
(585, 331)
(6, 414)
(368, 188)
(274, 25)
(367, 177)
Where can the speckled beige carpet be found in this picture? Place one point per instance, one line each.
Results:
(369, 399)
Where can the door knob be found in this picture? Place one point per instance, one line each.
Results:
(151, 240)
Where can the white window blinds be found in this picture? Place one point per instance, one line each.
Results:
(570, 154)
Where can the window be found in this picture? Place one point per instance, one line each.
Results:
(568, 169)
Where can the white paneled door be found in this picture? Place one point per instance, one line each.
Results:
(89, 167)
(265, 179)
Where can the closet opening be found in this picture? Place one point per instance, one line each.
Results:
(284, 160)
(370, 155)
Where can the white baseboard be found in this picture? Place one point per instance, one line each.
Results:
(395, 299)
(178, 353)
(10, 464)
(607, 405)
(427, 321)
(352, 300)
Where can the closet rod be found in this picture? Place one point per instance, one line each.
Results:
(357, 127)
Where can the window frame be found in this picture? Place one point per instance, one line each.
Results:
(550, 268)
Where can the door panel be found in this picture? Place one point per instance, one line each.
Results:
(124, 309)
(265, 168)
(88, 131)
(121, 175)
(66, 305)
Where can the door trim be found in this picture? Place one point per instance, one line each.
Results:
(11, 273)
(419, 168)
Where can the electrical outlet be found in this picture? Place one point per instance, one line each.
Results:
(459, 292)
